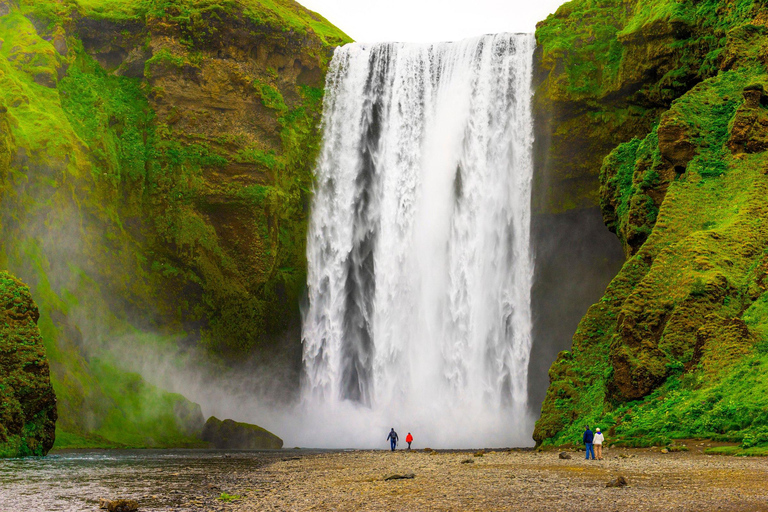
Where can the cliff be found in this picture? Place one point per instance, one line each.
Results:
(155, 173)
(676, 346)
(27, 400)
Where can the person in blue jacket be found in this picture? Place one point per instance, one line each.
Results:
(392, 438)
(588, 438)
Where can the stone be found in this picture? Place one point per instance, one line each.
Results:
(407, 476)
(468, 461)
(479, 453)
(564, 455)
(45, 79)
(232, 435)
(122, 506)
(60, 44)
(664, 450)
(619, 482)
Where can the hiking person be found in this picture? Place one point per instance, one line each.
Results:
(409, 440)
(588, 438)
(392, 438)
(597, 442)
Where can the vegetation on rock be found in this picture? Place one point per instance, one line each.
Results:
(155, 171)
(27, 400)
(233, 435)
(676, 348)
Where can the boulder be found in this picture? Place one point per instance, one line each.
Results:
(232, 435)
(122, 506)
(564, 455)
(407, 476)
(619, 482)
(27, 400)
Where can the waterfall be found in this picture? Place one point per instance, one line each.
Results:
(420, 266)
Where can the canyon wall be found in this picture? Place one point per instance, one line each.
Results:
(666, 101)
(155, 175)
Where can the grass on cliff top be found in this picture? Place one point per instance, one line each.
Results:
(282, 15)
(587, 36)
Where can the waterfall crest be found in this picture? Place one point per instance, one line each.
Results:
(419, 256)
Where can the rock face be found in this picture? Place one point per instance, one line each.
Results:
(679, 336)
(232, 435)
(27, 400)
(155, 175)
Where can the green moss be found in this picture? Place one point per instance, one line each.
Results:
(675, 349)
(110, 210)
(27, 400)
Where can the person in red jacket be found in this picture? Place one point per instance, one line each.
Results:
(409, 440)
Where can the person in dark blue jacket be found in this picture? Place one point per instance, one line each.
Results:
(588, 438)
(392, 438)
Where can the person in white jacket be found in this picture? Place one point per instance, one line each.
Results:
(598, 444)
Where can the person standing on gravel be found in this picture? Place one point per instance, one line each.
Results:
(588, 438)
(597, 442)
(409, 440)
(392, 438)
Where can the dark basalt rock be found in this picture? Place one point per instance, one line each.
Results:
(232, 435)
(27, 401)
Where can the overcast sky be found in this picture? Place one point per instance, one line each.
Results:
(431, 20)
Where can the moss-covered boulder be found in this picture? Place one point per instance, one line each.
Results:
(27, 399)
(232, 435)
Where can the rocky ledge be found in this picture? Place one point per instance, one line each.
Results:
(27, 400)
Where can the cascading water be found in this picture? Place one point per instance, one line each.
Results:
(419, 250)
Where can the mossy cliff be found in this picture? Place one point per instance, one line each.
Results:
(155, 172)
(27, 400)
(677, 347)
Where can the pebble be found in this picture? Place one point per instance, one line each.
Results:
(514, 480)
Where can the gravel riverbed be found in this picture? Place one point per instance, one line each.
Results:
(508, 480)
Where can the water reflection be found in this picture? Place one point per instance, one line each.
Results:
(167, 480)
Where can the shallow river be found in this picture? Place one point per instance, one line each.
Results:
(167, 480)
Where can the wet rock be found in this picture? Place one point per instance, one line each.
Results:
(564, 455)
(407, 476)
(619, 482)
(232, 435)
